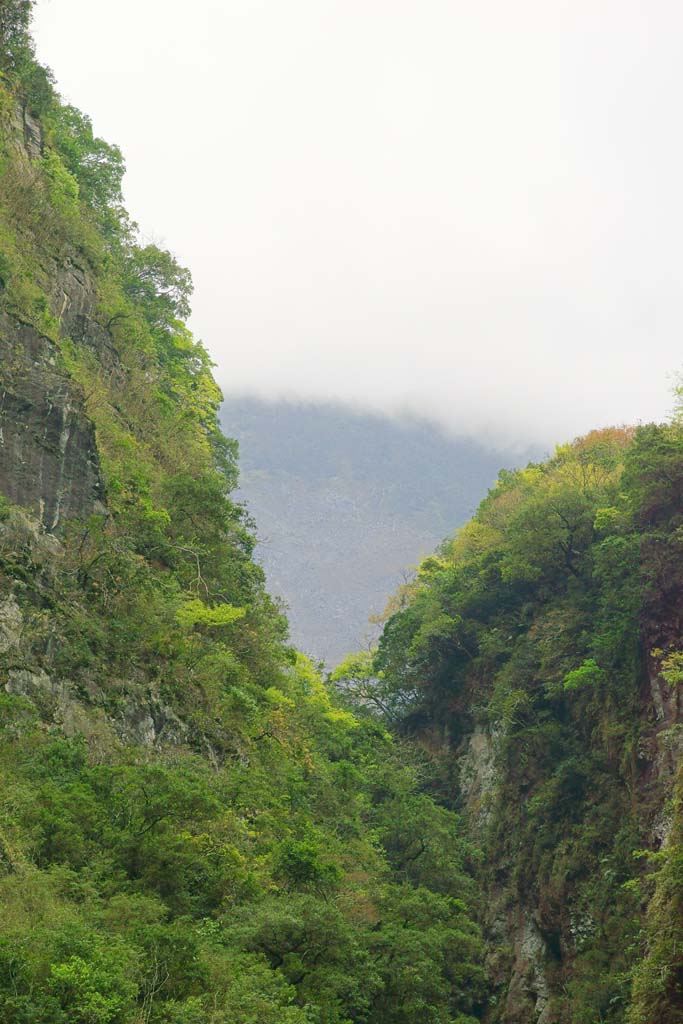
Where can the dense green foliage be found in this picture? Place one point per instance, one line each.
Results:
(191, 829)
(541, 622)
(280, 886)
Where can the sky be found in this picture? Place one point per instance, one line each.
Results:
(468, 210)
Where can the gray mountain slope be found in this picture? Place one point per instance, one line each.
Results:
(346, 504)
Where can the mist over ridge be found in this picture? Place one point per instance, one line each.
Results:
(480, 223)
(346, 503)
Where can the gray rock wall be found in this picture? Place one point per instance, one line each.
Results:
(48, 454)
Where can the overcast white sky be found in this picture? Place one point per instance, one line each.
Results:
(473, 210)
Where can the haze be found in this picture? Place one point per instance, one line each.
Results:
(468, 211)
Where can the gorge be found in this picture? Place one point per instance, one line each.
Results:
(477, 820)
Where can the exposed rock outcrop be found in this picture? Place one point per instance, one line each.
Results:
(48, 455)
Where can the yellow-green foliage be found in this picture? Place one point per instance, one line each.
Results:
(195, 613)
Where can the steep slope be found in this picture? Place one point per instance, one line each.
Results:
(346, 503)
(191, 830)
(539, 657)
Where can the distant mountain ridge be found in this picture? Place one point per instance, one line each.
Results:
(346, 503)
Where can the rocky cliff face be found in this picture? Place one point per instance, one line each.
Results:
(535, 935)
(48, 454)
(50, 467)
(99, 382)
(539, 655)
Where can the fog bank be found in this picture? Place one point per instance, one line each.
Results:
(468, 211)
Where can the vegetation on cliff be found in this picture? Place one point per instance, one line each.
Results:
(551, 625)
